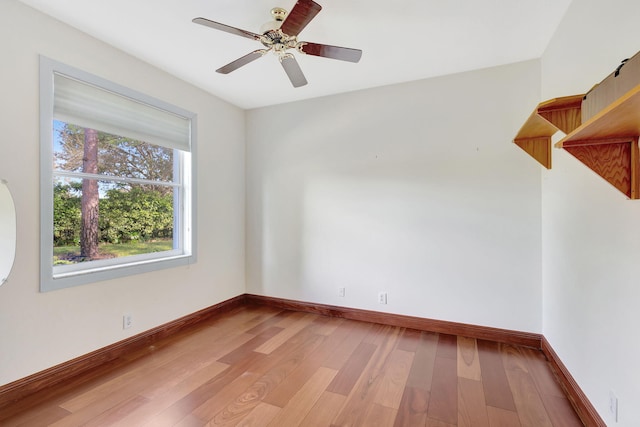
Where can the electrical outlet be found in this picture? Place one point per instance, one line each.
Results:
(613, 406)
(341, 292)
(382, 297)
(127, 321)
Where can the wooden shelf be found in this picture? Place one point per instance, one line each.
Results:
(620, 119)
(548, 118)
(607, 143)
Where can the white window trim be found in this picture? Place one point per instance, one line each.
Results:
(59, 278)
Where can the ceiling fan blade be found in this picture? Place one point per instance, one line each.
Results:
(293, 70)
(301, 14)
(250, 57)
(333, 52)
(226, 28)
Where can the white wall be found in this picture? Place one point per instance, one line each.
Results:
(591, 237)
(413, 189)
(38, 330)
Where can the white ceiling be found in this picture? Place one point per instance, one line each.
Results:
(401, 41)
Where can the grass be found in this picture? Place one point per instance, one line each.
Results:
(66, 254)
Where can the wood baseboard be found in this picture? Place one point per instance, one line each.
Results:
(18, 390)
(576, 396)
(472, 331)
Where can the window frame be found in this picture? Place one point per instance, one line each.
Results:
(59, 277)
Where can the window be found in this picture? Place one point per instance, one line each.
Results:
(116, 180)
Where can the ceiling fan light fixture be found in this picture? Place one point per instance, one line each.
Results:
(279, 14)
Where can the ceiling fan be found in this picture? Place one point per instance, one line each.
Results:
(280, 36)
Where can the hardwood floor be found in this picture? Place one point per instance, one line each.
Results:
(262, 366)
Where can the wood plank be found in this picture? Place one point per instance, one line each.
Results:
(413, 408)
(287, 333)
(292, 352)
(421, 373)
(437, 423)
(409, 340)
(301, 403)
(468, 361)
(290, 319)
(260, 416)
(325, 409)
(499, 417)
(395, 378)
(183, 368)
(191, 421)
(113, 415)
(541, 372)
(218, 402)
(261, 323)
(357, 332)
(325, 325)
(355, 409)
(144, 380)
(379, 416)
(81, 415)
(447, 346)
(443, 401)
(215, 386)
(349, 374)
(472, 406)
(497, 391)
(247, 400)
(281, 395)
(560, 411)
(160, 402)
(558, 407)
(37, 417)
(241, 352)
(275, 369)
(529, 406)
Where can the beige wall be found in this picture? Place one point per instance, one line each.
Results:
(412, 189)
(38, 330)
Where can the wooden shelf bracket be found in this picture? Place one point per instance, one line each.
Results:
(607, 143)
(549, 117)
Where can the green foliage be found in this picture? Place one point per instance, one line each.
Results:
(137, 214)
(126, 215)
(66, 215)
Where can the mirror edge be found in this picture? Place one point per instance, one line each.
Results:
(10, 231)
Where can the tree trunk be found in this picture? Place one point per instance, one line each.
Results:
(90, 197)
